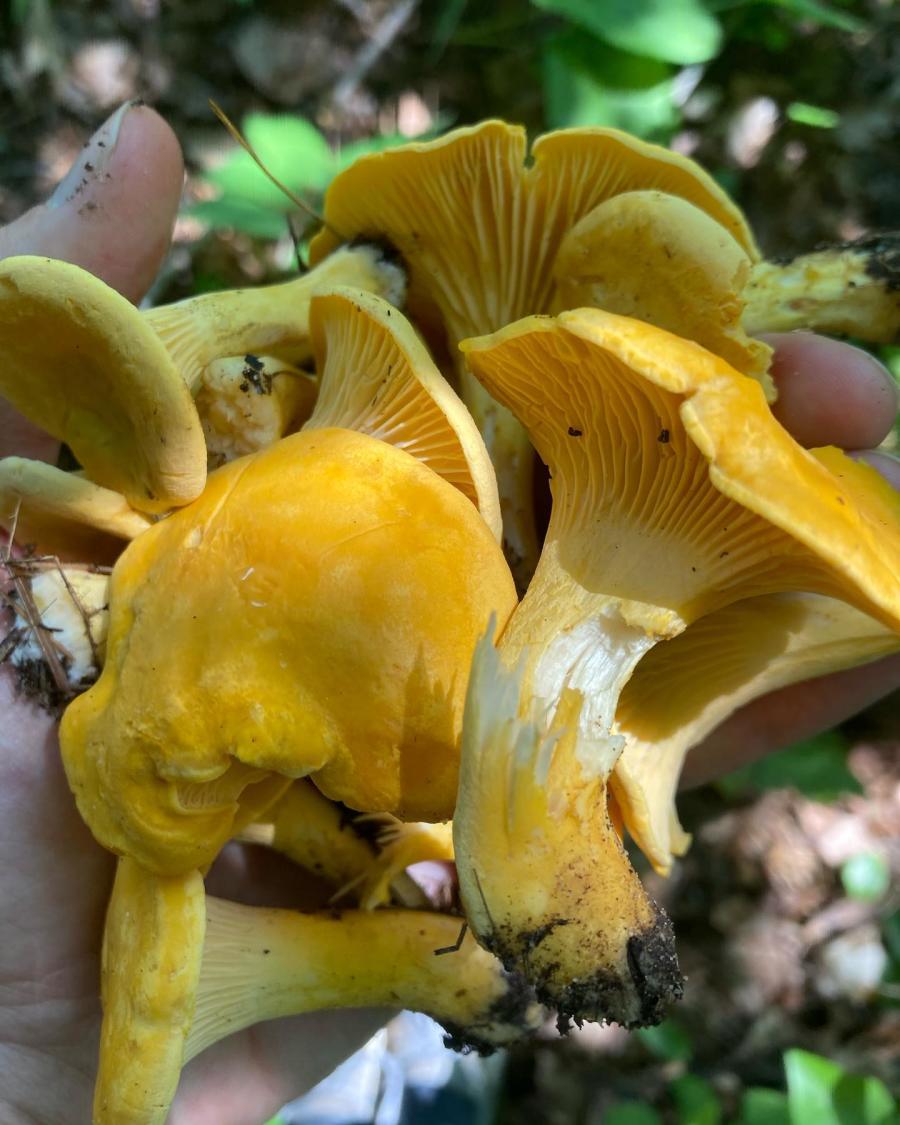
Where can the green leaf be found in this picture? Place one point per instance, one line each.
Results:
(241, 215)
(293, 150)
(820, 1092)
(817, 767)
(678, 31)
(631, 1113)
(696, 1101)
(814, 115)
(761, 1106)
(866, 877)
(668, 1040)
(588, 83)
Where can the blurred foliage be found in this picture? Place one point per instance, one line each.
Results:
(817, 767)
(627, 64)
(866, 877)
(297, 154)
(819, 1092)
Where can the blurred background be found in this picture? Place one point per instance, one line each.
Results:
(787, 907)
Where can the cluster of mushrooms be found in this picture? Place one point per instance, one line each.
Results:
(302, 569)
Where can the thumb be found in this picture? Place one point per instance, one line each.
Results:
(112, 215)
(114, 211)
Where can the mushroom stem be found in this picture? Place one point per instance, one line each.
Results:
(273, 319)
(574, 919)
(259, 964)
(852, 289)
(182, 971)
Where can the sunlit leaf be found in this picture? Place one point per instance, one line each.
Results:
(820, 1092)
(292, 148)
(678, 31)
(815, 115)
(587, 82)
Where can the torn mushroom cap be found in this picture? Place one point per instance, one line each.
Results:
(644, 535)
(271, 319)
(248, 402)
(665, 261)
(64, 514)
(314, 612)
(181, 972)
(80, 362)
(479, 231)
(683, 689)
(377, 377)
(546, 882)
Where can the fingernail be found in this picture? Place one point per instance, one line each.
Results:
(92, 162)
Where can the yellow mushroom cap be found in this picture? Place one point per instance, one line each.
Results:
(479, 232)
(663, 260)
(377, 377)
(64, 514)
(81, 363)
(675, 490)
(313, 613)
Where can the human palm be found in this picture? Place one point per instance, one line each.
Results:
(55, 881)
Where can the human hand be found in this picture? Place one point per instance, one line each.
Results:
(114, 218)
(112, 215)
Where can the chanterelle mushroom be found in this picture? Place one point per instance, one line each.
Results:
(663, 260)
(675, 494)
(479, 231)
(81, 363)
(182, 970)
(270, 319)
(313, 613)
(64, 514)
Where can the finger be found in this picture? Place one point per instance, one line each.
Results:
(112, 215)
(251, 1075)
(801, 710)
(831, 393)
(788, 716)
